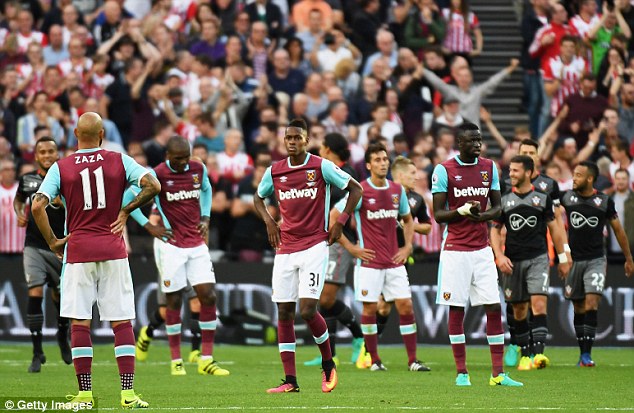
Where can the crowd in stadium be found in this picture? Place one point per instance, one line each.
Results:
(228, 75)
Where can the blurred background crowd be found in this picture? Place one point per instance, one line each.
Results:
(229, 74)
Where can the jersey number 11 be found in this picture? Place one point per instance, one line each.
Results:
(101, 190)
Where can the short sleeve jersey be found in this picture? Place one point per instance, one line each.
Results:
(303, 195)
(91, 183)
(586, 220)
(180, 201)
(526, 217)
(377, 216)
(541, 183)
(27, 187)
(464, 182)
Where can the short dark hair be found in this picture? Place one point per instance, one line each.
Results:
(337, 143)
(372, 149)
(44, 139)
(525, 160)
(622, 170)
(466, 127)
(620, 146)
(568, 38)
(201, 146)
(176, 142)
(298, 123)
(592, 168)
(529, 142)
(39, 128)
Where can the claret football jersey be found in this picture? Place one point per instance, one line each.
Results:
(464, 182)
(303, 195)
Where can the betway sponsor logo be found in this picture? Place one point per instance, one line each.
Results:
(470, 191)
(297, 193)
(182, 195)
(382, 214)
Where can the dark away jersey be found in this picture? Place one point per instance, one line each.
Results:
(526, 217)
(586, 219)
(27, 187)
(418, 210)
(541, 183)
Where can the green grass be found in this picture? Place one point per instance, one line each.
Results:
(561, 387)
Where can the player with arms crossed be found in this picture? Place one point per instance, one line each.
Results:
(185, 207)
(380, 261)
(41, 265)
(588, 211)
(461, 187)
(526, 213)
(547, 185)
(91, 183)
(301, 185)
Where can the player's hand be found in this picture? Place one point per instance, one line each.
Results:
(563, 270)
(159, 232)
(22, 220)
(203, 227)
(629, 268)
(364, 254)
(273, 230)
(402, 255)
(335, 233)
(505, 265)
(118, 226)
(57, 246)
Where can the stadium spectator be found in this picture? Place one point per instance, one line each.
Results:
(302, 11)
(424, 27)
(55, 51)
(611, 71)
(26, 34)
(337, 119)
(108, 22)
(600, 34)
(38, 115)
(233, 163)
(12, 234)
(462, 24)
(469, 95)
(585, 19)
(31, 74)
(621, 159)
(623, 198)
(562, 75)
(269, 13)
(585, 110)
(155, 148)
(313, 34)
(295, 48)
(337, 47)
(209, 43)
(380, 119)
(365, 26)
(249, 239)
(385, 47)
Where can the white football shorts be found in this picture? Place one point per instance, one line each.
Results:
(369, 283)
(300, 274)
(109, 283)
(178, 265)
(465, 276)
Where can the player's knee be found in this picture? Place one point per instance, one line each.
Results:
(307, 312)
(208, 300)
(404, 307)
(326, 301)
(36, 291)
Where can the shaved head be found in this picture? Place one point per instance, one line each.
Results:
(89, 128)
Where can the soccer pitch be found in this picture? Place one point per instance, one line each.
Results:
(561, 387)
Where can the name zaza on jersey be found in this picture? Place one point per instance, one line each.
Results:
(79, 159)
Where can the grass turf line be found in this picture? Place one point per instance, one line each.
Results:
(561, 387)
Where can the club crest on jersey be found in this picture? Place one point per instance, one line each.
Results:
(543, 186)
(597, 201)
(535, 200)
(196, 180)
(484, 175)
(508, 293)
(446, 296)
(364, 292)
(568, 290)
(395, 199)
(167, 283)
(311, 175)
